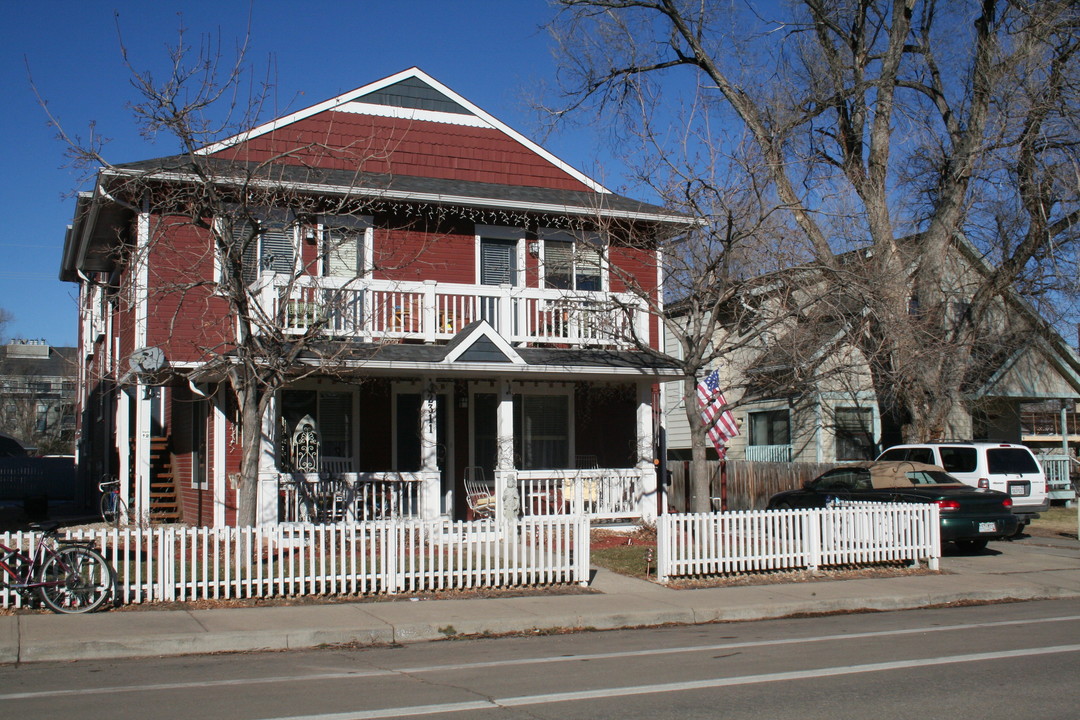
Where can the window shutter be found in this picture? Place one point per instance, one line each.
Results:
(244, 235)
(276, 253)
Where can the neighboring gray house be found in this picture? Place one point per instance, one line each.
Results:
(37, 395)
(836, 417)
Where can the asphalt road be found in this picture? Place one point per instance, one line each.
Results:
(1002, 661)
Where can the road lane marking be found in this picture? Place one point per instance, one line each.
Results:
(454, 667)
(618, 692)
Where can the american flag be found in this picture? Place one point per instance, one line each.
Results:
(719, 423)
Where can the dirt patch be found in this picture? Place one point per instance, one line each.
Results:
(778, 577)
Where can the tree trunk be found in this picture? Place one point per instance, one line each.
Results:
(699, 468)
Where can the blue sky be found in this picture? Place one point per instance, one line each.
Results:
(492, 52)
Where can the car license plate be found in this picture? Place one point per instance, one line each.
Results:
(1020, 489)
(987, 527)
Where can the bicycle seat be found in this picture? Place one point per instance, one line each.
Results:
(45, 526)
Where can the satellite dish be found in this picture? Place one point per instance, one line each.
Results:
(147, 360)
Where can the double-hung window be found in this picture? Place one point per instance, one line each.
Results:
(572, 262)
(346, 246)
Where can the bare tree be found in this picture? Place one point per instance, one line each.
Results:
(211, 250)
(913, 132)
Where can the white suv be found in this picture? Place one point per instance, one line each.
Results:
(1005, 467)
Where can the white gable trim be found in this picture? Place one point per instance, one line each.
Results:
(484, 330)
(336, 103)
(446, 118)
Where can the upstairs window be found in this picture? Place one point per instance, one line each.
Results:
(499, 255)
(571, 263)
(346, 246)
(265, 242)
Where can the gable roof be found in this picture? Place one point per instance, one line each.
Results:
(410, 101)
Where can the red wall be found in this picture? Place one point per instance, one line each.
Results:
(405, 147)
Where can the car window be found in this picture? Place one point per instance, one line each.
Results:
(1010, 460)
(931, 477)
(922, 455)
(843, 479)
(959, 459)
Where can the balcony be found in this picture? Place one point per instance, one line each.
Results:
(430, 311)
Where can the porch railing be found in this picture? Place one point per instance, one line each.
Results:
(1058, 480)
(430, 311)
(599, 494)
(347, 497)
(768, 453)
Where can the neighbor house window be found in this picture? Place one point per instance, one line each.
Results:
(571, 263)
(854, 434)
(769, 427)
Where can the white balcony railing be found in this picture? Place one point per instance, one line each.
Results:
(768, 453)
(430, 311)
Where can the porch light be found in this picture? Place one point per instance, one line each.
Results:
(534, 248)
(463, 401)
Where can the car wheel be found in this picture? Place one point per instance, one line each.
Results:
(972, 546)
(1019, 529)
(782, 506)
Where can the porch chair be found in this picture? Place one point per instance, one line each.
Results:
(590, 485)
(479, 495)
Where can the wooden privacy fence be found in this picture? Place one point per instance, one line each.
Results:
(166, 564)
(757, 540)
(749, 484)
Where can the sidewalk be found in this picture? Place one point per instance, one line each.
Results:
(1034, 568)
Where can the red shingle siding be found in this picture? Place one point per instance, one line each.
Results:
(184, 314)
(406, 147)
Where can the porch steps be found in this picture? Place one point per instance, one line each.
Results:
(164, 501)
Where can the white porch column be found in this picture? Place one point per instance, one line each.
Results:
(144, 398)
(506, 489)
(219, 486)
(267, 511)
(430, 484)
(123, 443)
(645, 455)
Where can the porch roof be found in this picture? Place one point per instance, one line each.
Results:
(358, 358)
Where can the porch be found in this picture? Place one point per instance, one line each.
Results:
(430, 311)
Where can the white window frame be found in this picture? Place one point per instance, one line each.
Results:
(596, 239)
(500, 232)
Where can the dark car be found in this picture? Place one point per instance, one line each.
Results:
(969, 517)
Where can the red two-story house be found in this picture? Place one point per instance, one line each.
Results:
(461, 320)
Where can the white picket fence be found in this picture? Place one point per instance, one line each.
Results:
(170, 563)
(757, 540)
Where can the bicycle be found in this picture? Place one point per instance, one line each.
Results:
(113, 508)
(69, 576)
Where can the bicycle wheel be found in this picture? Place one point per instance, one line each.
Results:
(113, 509)
(76, 580)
